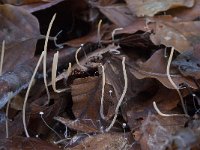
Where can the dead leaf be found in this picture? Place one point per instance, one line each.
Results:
(155, 67)
(33, 7)
(86, 95)
(180, 35)
(188, 63)
(156, 131)
(21, 2)
(186, 14)
(111, 141)
(152, 7)
(119, 14)
(26, 144)
(20, 35)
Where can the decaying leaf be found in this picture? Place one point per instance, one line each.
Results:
(26, 144)
(152, 7)
(86, 95)
(180, 35)
(188, 63)
(21, 2)
(155, 67)
(156, 131)
(119, 14)
(20, 30)
(111, 141)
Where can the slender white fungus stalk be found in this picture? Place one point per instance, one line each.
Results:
(2, 57)
(102, 92)
(54, 71)
(77, 61)
(172, 82)
(45, 57)
(27, 93)
(122, 96)
(165, 115)
(7, 119)
(99, 30)
(114, 31)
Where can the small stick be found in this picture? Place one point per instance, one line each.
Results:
(122, 96)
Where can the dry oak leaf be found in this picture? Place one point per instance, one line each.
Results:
(152, 7)
(26, 144)
(119, 14)
(21, 2)
(180, 35)
(20, 30)
(155, 67)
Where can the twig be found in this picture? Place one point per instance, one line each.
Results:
(122, 96)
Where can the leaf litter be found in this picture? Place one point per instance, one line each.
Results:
(120, 75)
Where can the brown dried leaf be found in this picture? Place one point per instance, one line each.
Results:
(15, 126)
(26, 144)
(20, 30)
(152, 7)
(119, 14)
(155, 67)
(21, 2)
(86, 95)
(186, 14)
(188, 64)
(180, 35)
(156, 131)
(111, 141)
(40, 5)
(79, 125)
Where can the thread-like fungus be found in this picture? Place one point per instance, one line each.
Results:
(102, 92)
(54, 71)
(77, 61)
(122, 96)
(45, 57)
(2, 57)
(165, 115)
(99, 31)
(27, 93)
(172, 82)
(114, 31)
